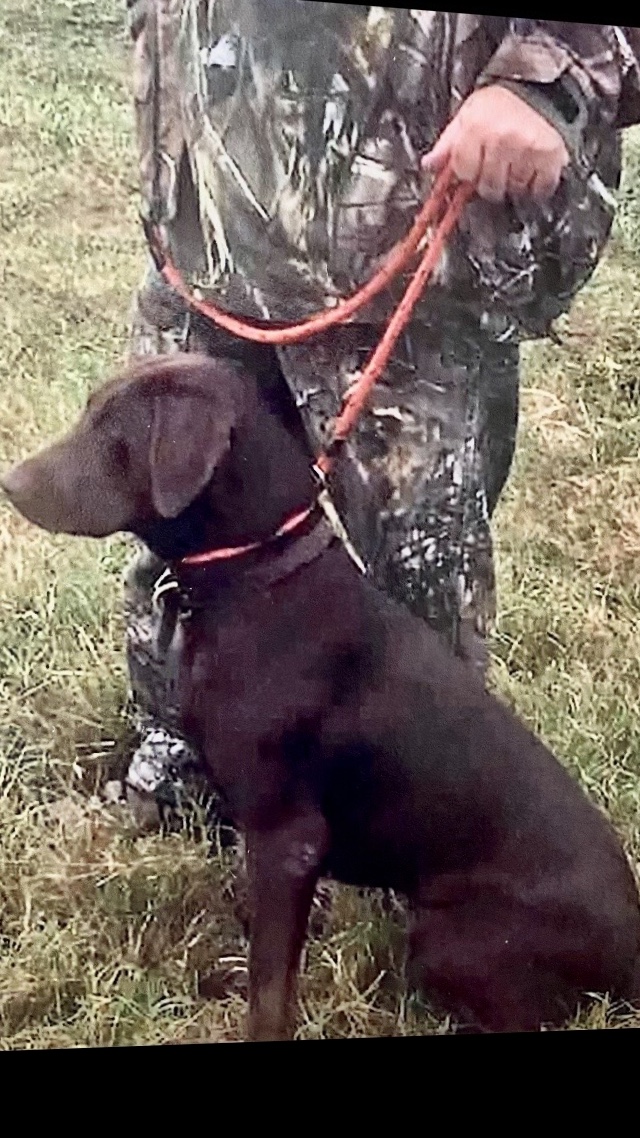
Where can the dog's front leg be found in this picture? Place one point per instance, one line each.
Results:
(283, 865)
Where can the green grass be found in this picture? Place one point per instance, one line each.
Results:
(106, 938)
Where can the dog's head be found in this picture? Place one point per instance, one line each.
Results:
(147, 445)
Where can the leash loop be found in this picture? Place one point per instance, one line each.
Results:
(442, 208)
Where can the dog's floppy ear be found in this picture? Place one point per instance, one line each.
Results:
(190, 435)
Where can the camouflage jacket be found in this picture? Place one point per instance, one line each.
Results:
(280, 143)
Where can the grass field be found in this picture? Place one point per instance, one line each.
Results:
(106, 938)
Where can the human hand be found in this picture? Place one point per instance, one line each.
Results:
(499, 143)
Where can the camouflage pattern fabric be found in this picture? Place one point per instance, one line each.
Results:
(280, 144)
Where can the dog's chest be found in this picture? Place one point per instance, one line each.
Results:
(233, 685)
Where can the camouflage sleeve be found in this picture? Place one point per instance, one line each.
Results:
(629, 48)
(136, 12)
(159, 321)
(154, 28)
(581, 77)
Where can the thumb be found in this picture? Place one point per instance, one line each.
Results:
(436, 158)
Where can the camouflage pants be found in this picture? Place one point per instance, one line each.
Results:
(415, 489)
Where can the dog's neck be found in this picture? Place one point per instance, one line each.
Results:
(266, 478)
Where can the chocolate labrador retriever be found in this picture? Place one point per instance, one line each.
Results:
(343, 736)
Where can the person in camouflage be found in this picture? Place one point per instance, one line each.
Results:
(281, 146)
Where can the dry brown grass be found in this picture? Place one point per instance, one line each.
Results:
(109, 939)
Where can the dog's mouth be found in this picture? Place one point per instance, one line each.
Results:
(23, 486)
(17, 487)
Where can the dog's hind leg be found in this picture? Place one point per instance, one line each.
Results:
(283, 866)
(478, 968)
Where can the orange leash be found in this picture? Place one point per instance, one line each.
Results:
(357, 397)
(443, 201)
